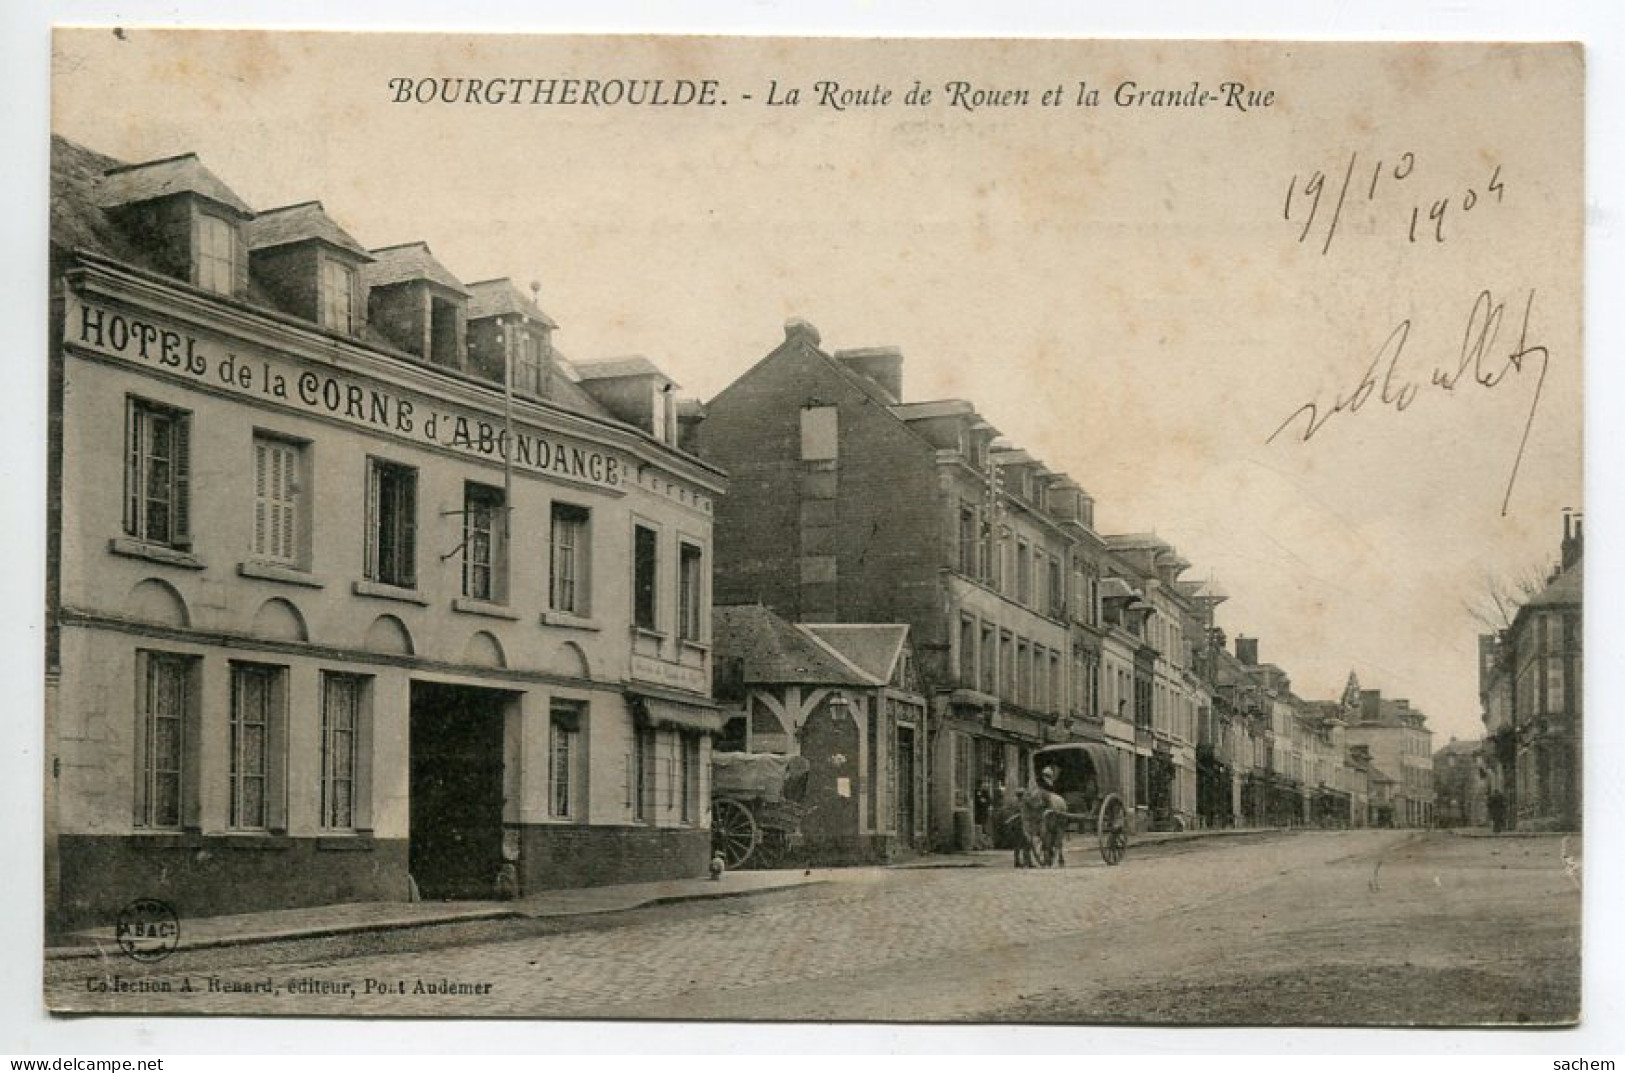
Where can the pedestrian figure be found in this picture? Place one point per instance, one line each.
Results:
(1498, 808)
(1043, 824)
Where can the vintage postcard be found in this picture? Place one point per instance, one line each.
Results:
(765, 529)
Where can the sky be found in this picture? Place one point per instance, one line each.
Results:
(1138, 295)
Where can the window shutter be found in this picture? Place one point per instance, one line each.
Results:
(370, 570)
(409, 529)
(626, 783)
(132, 468)
(276, 750)
(261, 453)
(282, 504)
(183, 480)
(143, 737)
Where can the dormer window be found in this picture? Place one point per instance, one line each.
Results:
(665, 414)
(337, 296)
(978, 450)
(419, 306)
(444, 332)
(219, 254)
(307, 265)
(527, 362)
(635, 391)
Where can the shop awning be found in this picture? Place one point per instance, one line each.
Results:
(657, 711)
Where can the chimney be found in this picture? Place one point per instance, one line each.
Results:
(796, 328)
(882, 365)
(1247, 650)
(1573, 540)
(690, 415)
(1370, 705)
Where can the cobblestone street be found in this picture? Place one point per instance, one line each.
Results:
(1085, 943)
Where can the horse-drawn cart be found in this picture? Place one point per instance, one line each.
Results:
(756, 807)
(1084, 775)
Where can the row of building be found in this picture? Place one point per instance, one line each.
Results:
(849, 504)
(358, 588)
(1531, 686)
(1525, 773)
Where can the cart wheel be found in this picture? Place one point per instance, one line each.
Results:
(1112, 827)
(734, 833)
(772, 849)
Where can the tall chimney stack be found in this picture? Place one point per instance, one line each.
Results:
(1573, 539)
(882, 365)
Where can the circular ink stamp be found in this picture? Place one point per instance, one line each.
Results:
(148, 930)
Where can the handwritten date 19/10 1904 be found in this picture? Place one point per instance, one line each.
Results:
(1482, 363)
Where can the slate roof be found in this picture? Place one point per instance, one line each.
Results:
(80, 222)
(406, 262)
(1565, 588)
(299, 223)
(1115, 588)
(499, 298)
(918, 411)
(874, 647)
(1136, 541)
(563, 390)
(769, 649)
(615, 368)
(1227, 669)
(127, 184)
(77, 222)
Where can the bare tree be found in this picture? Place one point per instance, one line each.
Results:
(1496, 604)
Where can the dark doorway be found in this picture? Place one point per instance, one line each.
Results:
(456, 786)
(905, 794)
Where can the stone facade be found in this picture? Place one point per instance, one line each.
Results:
(333, 617)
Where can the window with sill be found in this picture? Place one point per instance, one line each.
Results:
(645, 577)
(219, 254)
(564, 734)
(641, 768)
(568, 561)
(967, 651)
(691, 777)
(690, 592)
(445, 332)
(987, 679)
(527, 366)
(1024, 573)
(166, 739)
(484, 544)
(344, 741)
(967, 540)
(391, 524)
(279, 501)
(257, 746)
(157, 482)
(338, 290)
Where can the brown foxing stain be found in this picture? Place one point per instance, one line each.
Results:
(1413, 66)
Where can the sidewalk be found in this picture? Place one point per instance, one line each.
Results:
(327, 920)
(991, 858)
(276, 925)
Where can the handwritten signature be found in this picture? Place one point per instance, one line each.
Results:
(1480, 363)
